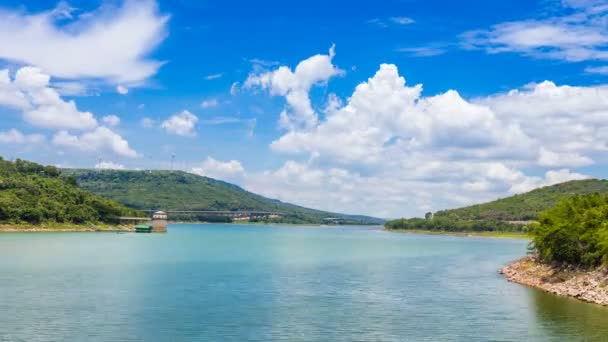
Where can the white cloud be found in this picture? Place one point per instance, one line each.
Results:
(234, 88)
(390, 151)
(102, 139)
(571, 121)
(71, 88)
(602, 70)
(402, 20)
(111, 120)
(110, 43)
(214, 76)
(108, 165)
(220, 120)
(14, 136)
(295, 85)
(183, 123)
(122, 90)
(579, 36)
(384, 23)
(210, 103)
(40, 104)
(424, 51)
(231, 170)
(10, 95)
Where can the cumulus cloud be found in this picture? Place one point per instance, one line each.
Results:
(101, 139)
(14, 136)
(231, 170)
(41, 104)
(183, 123)
(390, 151)
(109, 43)
(108, 165)
(567, 120)
(111, 120)
(295, 85)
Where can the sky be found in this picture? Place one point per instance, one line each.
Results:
(385, 108)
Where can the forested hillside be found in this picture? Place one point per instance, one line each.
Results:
(177, 190)
(529, 205)
(499, 215)
(33, 193)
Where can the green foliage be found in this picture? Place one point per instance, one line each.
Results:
(444, 224)
(176, 190)
(575, 231)
(33, 193)
(528, 206)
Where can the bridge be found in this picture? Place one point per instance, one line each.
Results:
(158, 221)
(237, 215)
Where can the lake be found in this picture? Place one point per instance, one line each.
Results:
(271, 283)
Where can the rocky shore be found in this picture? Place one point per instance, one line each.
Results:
(586, 285)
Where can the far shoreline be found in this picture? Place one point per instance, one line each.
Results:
(71, 228)
(501, 235)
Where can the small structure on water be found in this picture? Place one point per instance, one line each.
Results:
(143, 228)
(159, 222)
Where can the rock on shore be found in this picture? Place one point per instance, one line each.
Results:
(586, 285)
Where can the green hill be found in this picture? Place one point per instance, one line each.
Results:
(36, 194)
(529, 205)
(495, 215)
(178, 190)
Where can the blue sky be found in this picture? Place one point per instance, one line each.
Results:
(306, 102)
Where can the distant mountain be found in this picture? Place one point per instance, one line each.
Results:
(178, 190)
(526, 206)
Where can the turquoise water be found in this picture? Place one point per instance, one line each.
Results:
(257, 283)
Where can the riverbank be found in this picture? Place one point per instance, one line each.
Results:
(507, 235)
(16, 228)
(586, 285)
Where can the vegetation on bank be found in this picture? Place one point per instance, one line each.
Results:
(177, 190)
(445, 224)
(517, 213)
(31, 193)
(575, 232)
(495, 234)
(527, 206)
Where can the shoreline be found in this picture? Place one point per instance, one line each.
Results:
(17, 228)
(499, 235)
(586, 285)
